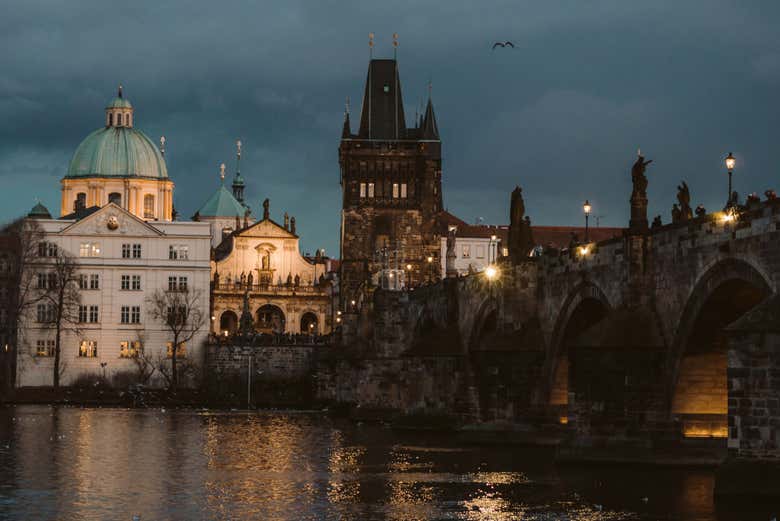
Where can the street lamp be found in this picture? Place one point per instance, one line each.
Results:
(491, 249)
(430, 268)
(730, 162)
(491, 272)
(586, 208)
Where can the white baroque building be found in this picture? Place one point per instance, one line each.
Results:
(121, 261)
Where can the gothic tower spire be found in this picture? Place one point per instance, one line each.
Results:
(238, 181)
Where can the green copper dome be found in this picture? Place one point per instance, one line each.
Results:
(117, 152)
(119, 103)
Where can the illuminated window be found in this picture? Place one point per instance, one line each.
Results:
(89, 249)
(178, 252)
(395, 190)
(362, 190)
(403, 190)
(370, 190)
(129, 348)
(44, 348)
(88, 349)
(148, 206)
(181, 352)
(466, 251)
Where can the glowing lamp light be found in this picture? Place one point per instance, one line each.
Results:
(352, 302)
(338, 313)
(213, 317)
(584, 250)
(430, 258)
(409, 267)
(491, 272)
(586, 207)
(493, 237)
(728, 217)
(338, 320)
(730, 162)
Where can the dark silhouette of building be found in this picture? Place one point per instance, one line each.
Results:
(391, 186)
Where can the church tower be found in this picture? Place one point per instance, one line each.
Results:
(391, 188)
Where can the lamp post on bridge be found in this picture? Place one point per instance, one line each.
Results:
(586, 208)
(730, 162)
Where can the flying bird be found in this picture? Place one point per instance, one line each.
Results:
(504, 44)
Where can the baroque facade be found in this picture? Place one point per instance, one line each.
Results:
(391, 187)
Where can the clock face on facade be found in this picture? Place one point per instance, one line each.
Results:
(112, 223)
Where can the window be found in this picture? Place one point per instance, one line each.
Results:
(176, 316)
(116, 198)
(181, 352)
(403, 190)
(89, 249)
(82, 314)
(466, 251)
(178, 251)
(119, 120)
(136, 251)
(125, 283)
(110, 120)
(362, 190)
(129, 348)
(505, 252)
(88, 314)
(125, 251)
(131, 250)
(83, 281)
(42, 280)
(395, 190)
(175, 283)
(480, 252)
(135, 283)
(81, 201)
(93, 314)
(44, 348)
(148, 206)
(130, 315)
(44, 313)
(370, 190)
(94, 281)
(88, 349)
(47, 249)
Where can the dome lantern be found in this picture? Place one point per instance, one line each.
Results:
(119, 112)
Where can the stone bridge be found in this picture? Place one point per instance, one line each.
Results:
(617, 338)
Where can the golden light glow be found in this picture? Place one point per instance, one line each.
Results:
(563, 420)
(583, 250)
(430, 258)
(586, 207)
(409, 267)
(731, 161)
(491, 272)
(493, 237)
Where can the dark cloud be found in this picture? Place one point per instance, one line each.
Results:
(562, 114)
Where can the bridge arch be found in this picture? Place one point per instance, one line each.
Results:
(582, 308)
(697, 390)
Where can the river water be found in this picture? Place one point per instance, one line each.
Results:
(113, 464)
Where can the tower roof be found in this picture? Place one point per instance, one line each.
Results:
(430, 130)
(382, 116)
(39, 212)
(222, 204)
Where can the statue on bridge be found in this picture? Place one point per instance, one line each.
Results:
(520, 236)
(246, 322)
(451, 271)
(638, 221)
(684, 198)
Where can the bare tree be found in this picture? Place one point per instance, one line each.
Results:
(143, 360)
(60, 294)
(181, 312)
(19, 241)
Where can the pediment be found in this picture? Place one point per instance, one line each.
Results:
(111, 220)
(267, 228)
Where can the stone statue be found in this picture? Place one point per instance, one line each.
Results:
(289, 279)
(243, 278)
(684, 198)
(770, 194)
(638, 222)
(286, 221)
(638, 178)
(657, 222)
(292, 225)
(297, 281)
(520, 236)
(701, 211)
(266, 211)
(676, 213)
(249, 279)
(246, 323)
(451, 271)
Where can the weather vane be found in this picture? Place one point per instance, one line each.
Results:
(238, 147)
(162, 145)
(222, 172)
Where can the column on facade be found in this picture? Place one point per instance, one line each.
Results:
(64, 202)
(126, 195)
(138, 207)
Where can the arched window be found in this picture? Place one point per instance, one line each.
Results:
(119, 120)
(309, 323)
(148, 206)
(127, 119)
(116, 198)
(270, 319)
(228, 322)
(110, 119)
(81, 201)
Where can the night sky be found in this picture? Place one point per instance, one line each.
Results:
(562, 114)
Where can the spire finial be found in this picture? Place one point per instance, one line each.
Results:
(162, 145)
(346, 106)
(371, 45)
(639, 152)
(222, 173)
(238, 156)
(395, 45)
(120, 91)
(430, 89)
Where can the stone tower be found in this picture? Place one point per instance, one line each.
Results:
(391, 187)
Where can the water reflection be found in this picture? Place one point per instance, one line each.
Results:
(95, 464)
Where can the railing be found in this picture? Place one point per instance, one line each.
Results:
(271, 339)
(272, 289)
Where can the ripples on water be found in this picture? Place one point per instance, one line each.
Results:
(112, 464)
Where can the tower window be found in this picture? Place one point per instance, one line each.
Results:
(116, 198)
(110, 120)
(119, 120)
(127, 119)
(395, 190)
(148, 206)
(362, 190)
(386, 88)
(81, 201)
(403, 190)
(370, 190)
